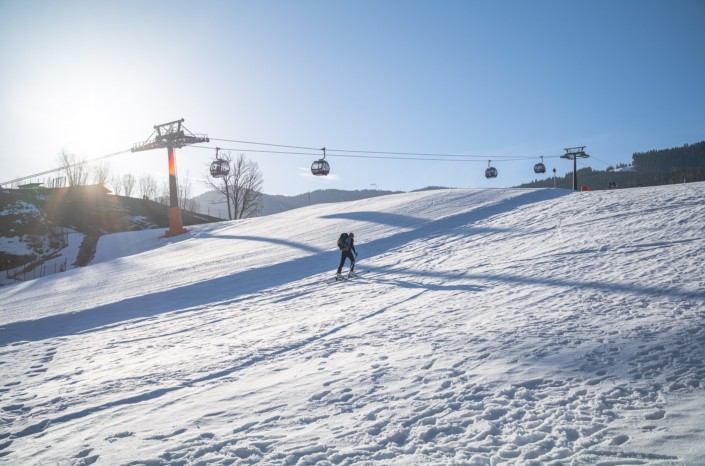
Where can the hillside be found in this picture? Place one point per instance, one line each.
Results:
(213, 203)
(44, 231)
(506, 326)
(685, 164)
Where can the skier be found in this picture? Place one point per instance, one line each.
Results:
(346, 243)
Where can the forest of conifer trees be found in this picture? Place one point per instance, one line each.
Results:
(684, 164)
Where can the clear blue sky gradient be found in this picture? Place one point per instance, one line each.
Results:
(494, 79)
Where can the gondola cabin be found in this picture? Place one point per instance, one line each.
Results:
(491, 172)
(540, 167)
(320, 167)
(220, 168)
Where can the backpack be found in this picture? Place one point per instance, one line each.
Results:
(343, 241)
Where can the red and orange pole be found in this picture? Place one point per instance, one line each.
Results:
(176, 225)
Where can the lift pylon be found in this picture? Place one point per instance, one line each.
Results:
(172, 135)
(573, 153)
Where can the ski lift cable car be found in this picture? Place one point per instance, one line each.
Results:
(320, 167)
(540, 167)
(490, 172)
(220, 167)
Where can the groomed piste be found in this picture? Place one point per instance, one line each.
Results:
(498, 326)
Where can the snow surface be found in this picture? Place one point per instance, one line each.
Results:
(14, 244)
(57, 260)
(21, 207)
(488, 326)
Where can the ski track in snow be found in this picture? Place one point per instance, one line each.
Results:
(490, 326)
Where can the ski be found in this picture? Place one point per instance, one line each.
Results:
(345, 277)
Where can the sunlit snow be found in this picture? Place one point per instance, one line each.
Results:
(487, 326)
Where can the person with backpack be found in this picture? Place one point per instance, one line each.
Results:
(346, 243)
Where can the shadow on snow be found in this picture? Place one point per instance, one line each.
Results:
(256, 280)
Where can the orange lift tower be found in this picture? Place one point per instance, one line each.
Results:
(172, 135)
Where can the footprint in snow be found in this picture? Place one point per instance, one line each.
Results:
(619, 440)
(319, 396)
(656, 415)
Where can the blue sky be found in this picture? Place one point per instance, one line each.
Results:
(498, 80)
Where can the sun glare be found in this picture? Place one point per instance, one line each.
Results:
(92, 114)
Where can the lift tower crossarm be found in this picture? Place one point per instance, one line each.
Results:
(172, 134)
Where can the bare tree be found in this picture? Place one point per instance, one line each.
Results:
(116, 184)
(186, 202)
(128, 183)
(183, 194)
(242, 187)
(164, 197)
(148, 187)
(101, 174)
(74, 167)
(249, 203)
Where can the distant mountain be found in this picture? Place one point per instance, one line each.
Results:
(213, 203)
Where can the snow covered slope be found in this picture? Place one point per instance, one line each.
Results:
(490, 326)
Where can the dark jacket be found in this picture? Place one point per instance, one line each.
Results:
(350, 245)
